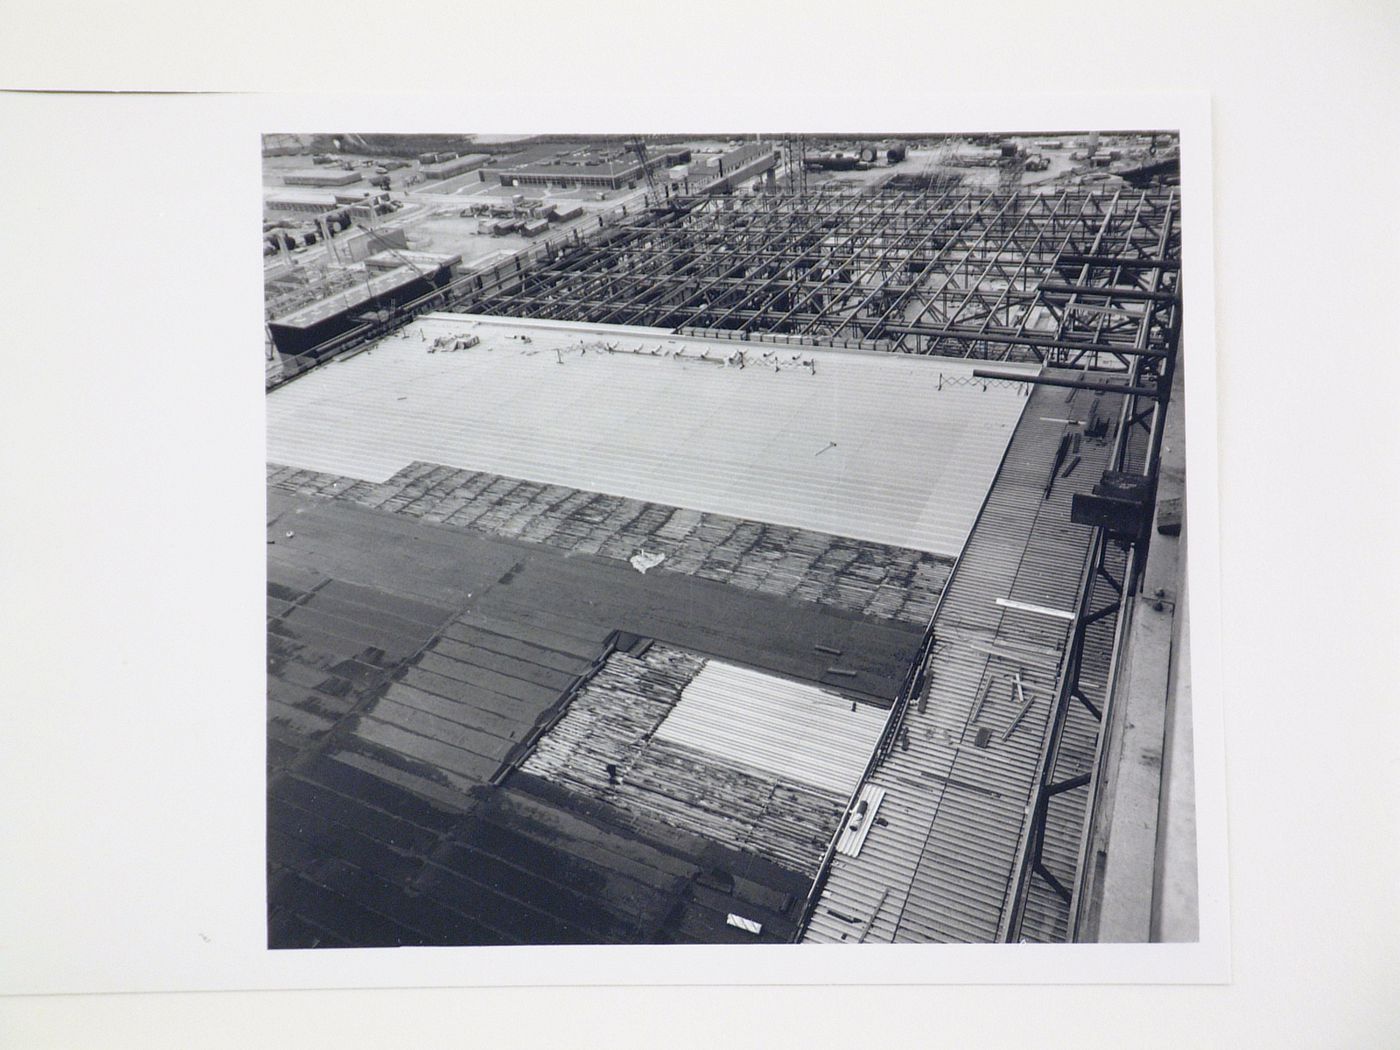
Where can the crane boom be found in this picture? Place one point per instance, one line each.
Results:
(638, 147)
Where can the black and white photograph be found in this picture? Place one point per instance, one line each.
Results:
(726, 539)
(618, 525)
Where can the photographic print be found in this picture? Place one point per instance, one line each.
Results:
(726, 539)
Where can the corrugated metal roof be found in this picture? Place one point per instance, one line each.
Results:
(887, 448)
(1046, 918)
(300, 197)
(786, 729)
(938, 868)
(862, 816)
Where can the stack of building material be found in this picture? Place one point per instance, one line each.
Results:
(746, 759)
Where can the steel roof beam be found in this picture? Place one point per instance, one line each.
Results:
(1114, 292)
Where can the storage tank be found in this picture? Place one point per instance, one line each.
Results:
(833, 162)
(896, 153)
(867, 154)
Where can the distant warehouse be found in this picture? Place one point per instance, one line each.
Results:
(320, 177)
(591, 169)
(719, 172)
(564, 211)
(446, 169)
(301, 202)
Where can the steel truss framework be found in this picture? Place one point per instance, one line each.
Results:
(944, 270)
(1114, 297)
(1079, 278)
(1062, 801)
(1074, 277)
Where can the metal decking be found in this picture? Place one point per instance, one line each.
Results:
(788, 729)
(937, 865)
(878, 447)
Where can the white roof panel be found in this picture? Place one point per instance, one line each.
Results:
(786, 729)
(887, 448)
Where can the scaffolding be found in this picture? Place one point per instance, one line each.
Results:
(931, 268)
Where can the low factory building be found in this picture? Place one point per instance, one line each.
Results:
(305, 331)
(446, 169)
(596, 169)
(320, 177)
(301, 203)
(722, 172)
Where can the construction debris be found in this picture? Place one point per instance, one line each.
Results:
(646, 560)
(1021, 713)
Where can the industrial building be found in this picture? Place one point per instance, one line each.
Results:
(321, 177)
(386, 282)
(446, 169)
(729, 169)
(277, 145)
(785, 567)
(608, 169)
(304, 202)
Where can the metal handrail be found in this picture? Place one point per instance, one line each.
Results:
(914, 680)
(1028, 857)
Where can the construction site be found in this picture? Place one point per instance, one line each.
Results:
(726, 539)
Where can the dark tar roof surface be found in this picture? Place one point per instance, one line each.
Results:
(407, 661)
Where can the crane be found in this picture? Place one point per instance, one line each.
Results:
(654, 195)
(384, 313)
(796, 149)
(384, 243)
